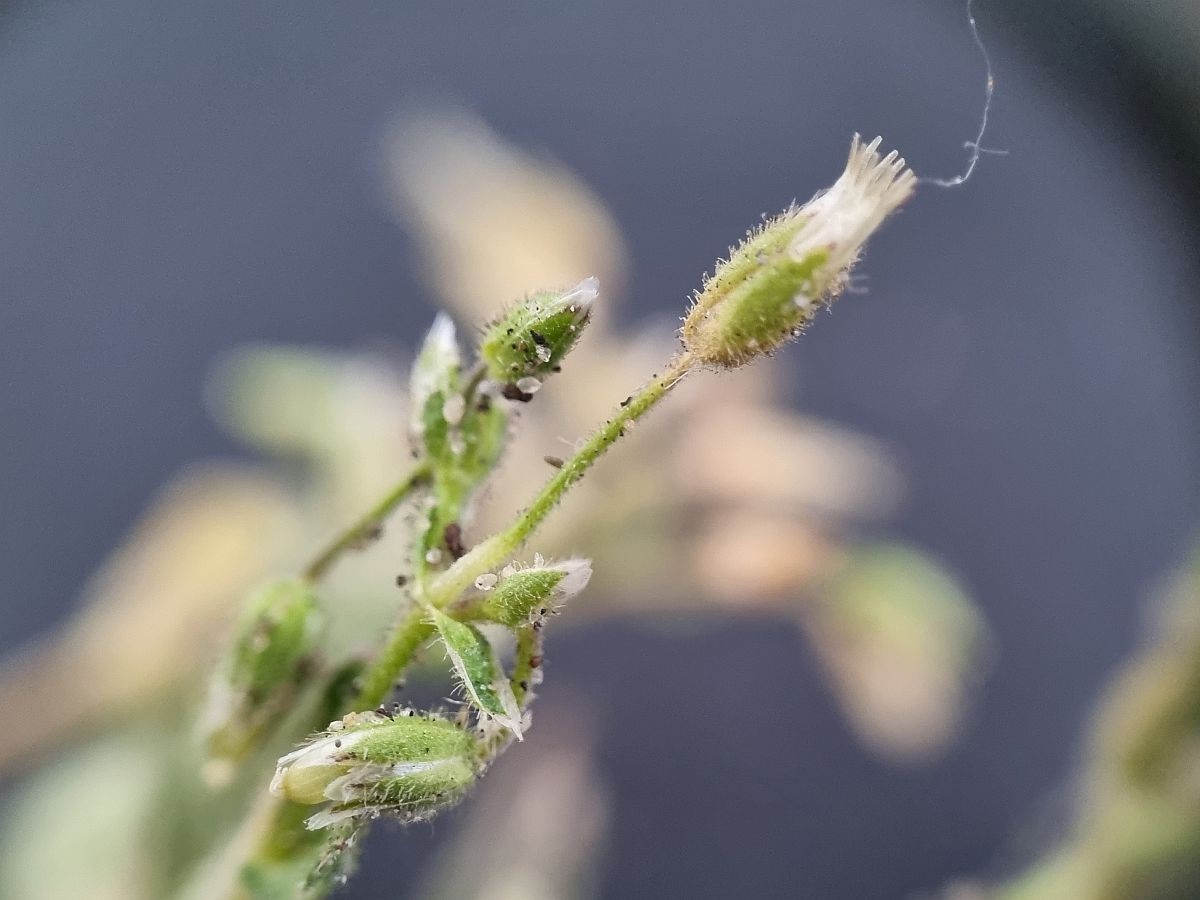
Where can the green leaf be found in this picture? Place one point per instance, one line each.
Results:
(476, 666)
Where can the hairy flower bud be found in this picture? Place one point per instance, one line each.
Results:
(367, 764)
(775, 281)
(522, 595)
(531, 339)
(255, 684)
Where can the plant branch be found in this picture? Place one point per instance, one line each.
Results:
(408, 635)
(367, 526)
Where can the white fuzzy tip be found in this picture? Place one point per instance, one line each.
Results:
(583, 295)
(439, 356)
(576, 574)
(840, 220)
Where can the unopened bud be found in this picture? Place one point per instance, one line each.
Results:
(434, 374)
(526, 594)
(780, 276)
(260, 676)
(531, 339)
(369, 764)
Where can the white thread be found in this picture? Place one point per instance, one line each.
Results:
(974, 146)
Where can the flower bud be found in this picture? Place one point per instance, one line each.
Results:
(434, 374)
(524, 595)
(775, 281)
(532, 338)
(255, 684)
(368, 764)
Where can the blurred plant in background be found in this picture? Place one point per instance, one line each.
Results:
(762, 513)
(1137, 829)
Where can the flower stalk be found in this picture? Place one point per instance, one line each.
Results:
(368, 526)
(371, 761)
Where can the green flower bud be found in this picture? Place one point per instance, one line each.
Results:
(774, 283)
(368, 764)
(272, 646)
(531, 339)
(520, 596)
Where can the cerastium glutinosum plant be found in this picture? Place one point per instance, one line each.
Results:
(373, 759)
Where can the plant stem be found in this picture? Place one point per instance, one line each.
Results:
(408, 635)
(367, 526)
(527, 658)
(397, 653)
(276, 821)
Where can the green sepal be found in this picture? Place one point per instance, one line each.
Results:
(736, 320)
(477, 668)
(520, 595)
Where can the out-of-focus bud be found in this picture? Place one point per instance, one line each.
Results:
(781, 275)
(532, 338)
(435, 374)
(367, 764)
(518, 596)
(902, 644)
(255, 684)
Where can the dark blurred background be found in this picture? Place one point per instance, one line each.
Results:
(178, 178)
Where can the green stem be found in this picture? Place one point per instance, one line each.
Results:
(527, 658)
(367, 526)
(408, 635)
(413, 630)
(402, 644)
(474, 380)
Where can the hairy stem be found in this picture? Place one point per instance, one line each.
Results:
(402, 645)
(408, 635)
(367, 526)
(528, 658)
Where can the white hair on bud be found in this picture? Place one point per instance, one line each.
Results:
(840, 220)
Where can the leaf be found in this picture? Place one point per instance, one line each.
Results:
(477, 668)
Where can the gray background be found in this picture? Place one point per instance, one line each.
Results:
(180, 177)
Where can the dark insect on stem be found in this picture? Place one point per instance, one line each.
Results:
(556, 461)
(512, 392)
(452, 538)
(368, 536)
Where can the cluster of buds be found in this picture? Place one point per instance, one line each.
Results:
(781, 275)
(370, 764)
(457, 427)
